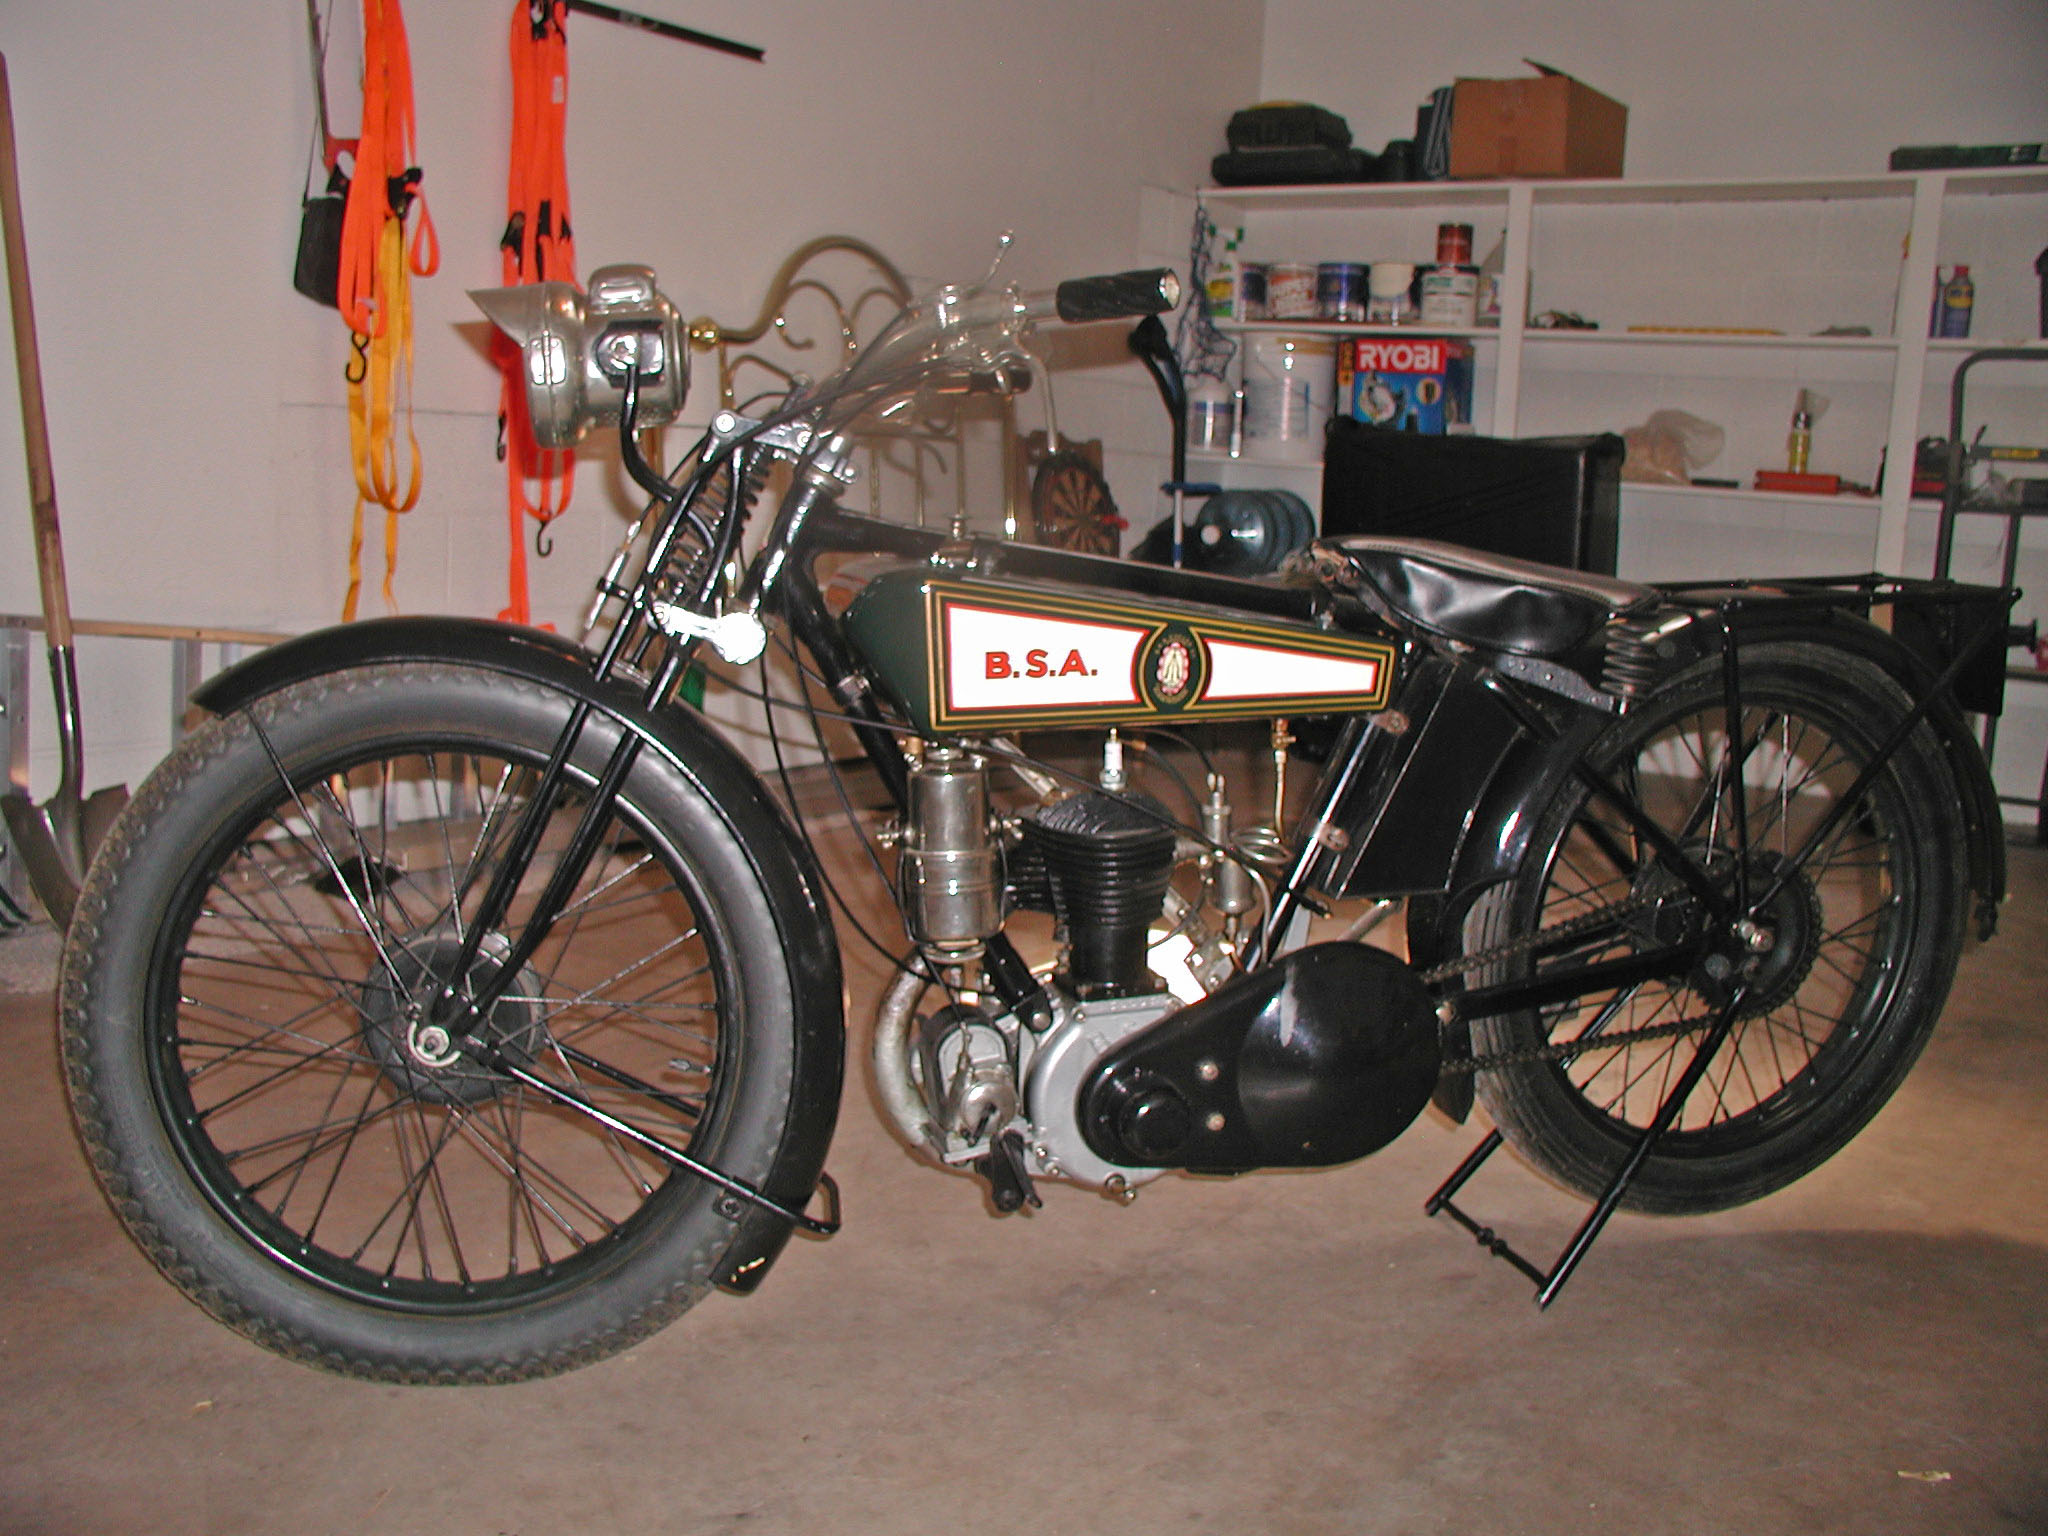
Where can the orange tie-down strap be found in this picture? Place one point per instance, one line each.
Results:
(375, 291)
(379, 414)
(537, 246)
(387, 176)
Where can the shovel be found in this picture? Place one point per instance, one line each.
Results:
(54, 840)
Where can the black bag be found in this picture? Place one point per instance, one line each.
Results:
(317, 272)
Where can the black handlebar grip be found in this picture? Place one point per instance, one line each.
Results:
(1118, 296)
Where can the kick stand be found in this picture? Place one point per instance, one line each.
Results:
(1548, 1284)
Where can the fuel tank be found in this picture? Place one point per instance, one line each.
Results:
(964, 654)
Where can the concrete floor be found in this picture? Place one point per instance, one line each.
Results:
(1866, 1352)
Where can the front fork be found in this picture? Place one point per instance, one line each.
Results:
(460, 1013)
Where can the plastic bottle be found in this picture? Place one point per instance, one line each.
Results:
(1227, 297)
(1800, 444)
(1490, 271)
(1212, 415)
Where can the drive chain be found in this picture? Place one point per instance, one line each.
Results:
(1529, 943)
(1564, 1050)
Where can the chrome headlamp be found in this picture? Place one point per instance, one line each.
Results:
(576, 348)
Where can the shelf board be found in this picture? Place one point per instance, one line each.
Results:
(1345, 195)
(1758, 189)
(1345, 328)
(1964, 344)
(1743, 493)
(1569, 338)
(1255, 461)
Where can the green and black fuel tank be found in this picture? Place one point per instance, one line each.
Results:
(964, 652)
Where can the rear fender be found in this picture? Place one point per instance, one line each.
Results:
(1531, 770)
(782, 861)
(1916, 671)
(1526, 779)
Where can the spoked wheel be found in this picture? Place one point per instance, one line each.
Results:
(284, 1119)
(1836, 970)
(1071, 507)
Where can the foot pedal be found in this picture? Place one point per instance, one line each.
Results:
(1009, 1183)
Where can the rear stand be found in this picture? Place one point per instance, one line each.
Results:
(1549, 1283)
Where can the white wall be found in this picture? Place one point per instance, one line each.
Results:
(196, 402)
(1713, 87)
(1743, 88)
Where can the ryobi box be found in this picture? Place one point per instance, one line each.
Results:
(1408, 383)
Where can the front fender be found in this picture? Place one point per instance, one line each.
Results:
(536, 653)
(782, 861)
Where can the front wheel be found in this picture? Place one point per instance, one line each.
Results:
(248, 1034)
(1843, 965)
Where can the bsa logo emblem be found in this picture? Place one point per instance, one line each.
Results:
(1173, 668)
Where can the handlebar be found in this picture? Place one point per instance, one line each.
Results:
(1117, 295)
(973, 332)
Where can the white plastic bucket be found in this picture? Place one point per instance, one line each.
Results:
(1290, 388)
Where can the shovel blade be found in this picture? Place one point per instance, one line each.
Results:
(48, 842)
(98, 813)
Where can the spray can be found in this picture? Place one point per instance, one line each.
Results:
(1954, 298)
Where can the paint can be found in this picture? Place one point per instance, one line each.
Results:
(1341, 291)
(1390, 303)
(1290, 291)
(1450, 296)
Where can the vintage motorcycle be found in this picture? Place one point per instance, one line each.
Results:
(457, 1004)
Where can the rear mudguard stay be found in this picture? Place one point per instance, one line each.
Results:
(781, 860)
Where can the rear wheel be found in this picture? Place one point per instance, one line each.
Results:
(251, 1046)
(1846, 961)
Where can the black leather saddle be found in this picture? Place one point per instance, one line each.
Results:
(1468, 596)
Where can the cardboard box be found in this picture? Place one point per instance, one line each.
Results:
(1406, 383)
(1549, 126)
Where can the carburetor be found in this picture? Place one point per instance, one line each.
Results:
(949, 867)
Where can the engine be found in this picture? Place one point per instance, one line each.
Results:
(1138, 1050)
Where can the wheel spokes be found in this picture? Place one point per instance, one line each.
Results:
(294, 1033)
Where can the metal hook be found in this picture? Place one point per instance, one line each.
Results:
(360, 342)
(543, 546)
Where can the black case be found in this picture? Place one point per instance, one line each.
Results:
(1282, 167)
(1553, 499)
(1287, 125)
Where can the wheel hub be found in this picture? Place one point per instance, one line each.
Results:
(422, 1057)
(1768, 952)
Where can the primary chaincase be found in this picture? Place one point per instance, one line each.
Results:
(1319, 1058)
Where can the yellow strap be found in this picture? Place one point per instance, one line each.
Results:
(379, 389)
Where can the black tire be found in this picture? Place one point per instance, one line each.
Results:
(286, 1145)
(1863, 942)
